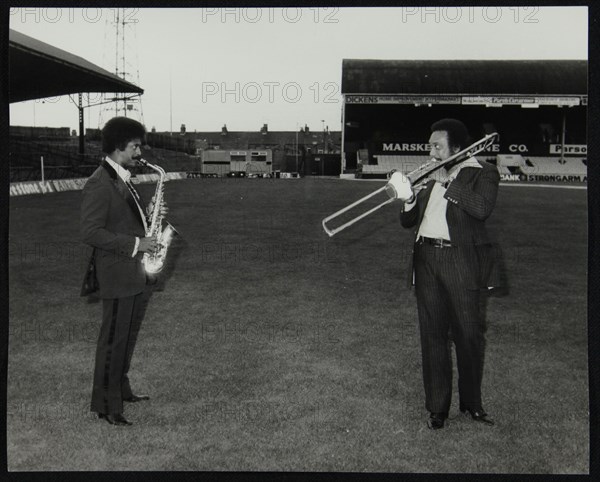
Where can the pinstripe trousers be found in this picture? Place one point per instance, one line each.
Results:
(121, 322)
(448, 311)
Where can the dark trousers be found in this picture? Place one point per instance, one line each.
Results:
(121, 322)
(449, 311)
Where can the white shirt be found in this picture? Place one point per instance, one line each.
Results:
(125, 175)
(120, 170)
(434, 224)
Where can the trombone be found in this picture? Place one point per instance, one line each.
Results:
(401, 186)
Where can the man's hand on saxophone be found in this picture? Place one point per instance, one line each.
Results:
(164, 210)
(148, 245)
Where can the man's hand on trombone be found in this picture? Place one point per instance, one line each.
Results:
(403, 189)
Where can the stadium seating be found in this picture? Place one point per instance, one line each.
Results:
(541, 165)
(506, 164)
(552, 165)
(386, 164)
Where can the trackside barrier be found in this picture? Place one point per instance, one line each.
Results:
(60, 185)
(68, 184)
(543, 177)
(146, 178)
(31, 187)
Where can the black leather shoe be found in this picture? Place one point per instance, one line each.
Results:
(436, 420)
(114, 418)
(136, 398)
(478, 415)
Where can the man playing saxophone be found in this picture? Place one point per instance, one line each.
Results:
(114, 222)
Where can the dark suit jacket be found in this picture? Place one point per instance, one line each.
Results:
(110, 222)
(471, 199)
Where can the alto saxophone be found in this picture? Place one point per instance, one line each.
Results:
(154, 262)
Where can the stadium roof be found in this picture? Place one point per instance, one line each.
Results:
(438, 77)
(39, 70)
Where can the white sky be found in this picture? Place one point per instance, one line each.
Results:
(247, 67)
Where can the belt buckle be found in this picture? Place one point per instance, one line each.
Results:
(438, 243)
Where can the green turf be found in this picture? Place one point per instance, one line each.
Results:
(274, 347)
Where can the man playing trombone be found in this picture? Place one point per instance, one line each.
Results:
(452, 266)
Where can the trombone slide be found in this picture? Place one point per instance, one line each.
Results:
(331, 232)
(401, 186)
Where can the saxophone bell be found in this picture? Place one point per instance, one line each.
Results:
(168, 234)
(154, 263)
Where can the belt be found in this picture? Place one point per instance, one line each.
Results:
(436, 242)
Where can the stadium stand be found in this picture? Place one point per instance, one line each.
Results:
(511, 164)
(389, 106)
(386, 164)
(553, 165)
(405, 164)
(506, 164)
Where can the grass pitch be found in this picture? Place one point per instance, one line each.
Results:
(273, 347)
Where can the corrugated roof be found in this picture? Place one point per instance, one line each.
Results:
(39, 70)
(539, 77)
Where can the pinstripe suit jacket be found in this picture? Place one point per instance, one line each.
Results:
(471, 199)
(110, 221)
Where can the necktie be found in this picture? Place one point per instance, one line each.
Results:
(138, 201)
(133, 192)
